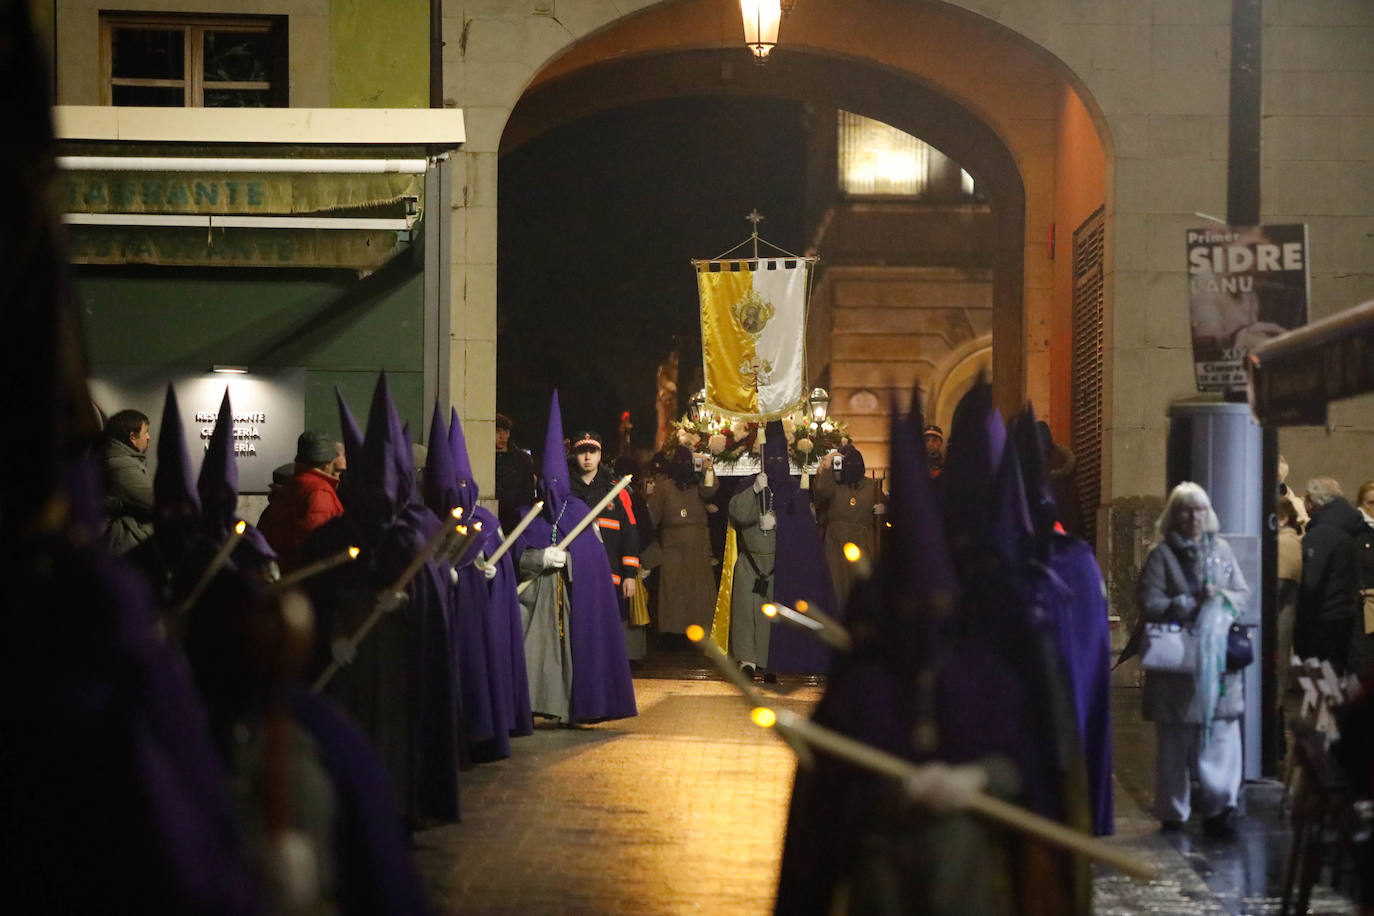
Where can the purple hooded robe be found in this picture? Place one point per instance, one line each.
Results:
(602, 687)
(800, 569)
(402, 688)
(506, 666)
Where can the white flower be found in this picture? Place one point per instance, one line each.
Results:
(805, 445)
(716, 444)
(789, 425)
(684, 437)
(695, 440)
(739, 429)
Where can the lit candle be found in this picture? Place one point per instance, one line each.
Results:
(813, 621)
(516, 532)
(871, 758)
(212, 569)
(314, 569)
(389, 599)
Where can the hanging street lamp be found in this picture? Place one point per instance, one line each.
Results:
(762, 19)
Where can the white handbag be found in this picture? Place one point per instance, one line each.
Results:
(1170, 647)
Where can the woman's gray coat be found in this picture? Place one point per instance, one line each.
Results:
(1165, 595)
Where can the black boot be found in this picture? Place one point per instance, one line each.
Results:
(1221, 826)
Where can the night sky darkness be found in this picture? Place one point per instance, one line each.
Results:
(598, 223)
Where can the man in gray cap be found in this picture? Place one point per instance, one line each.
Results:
(305, 502)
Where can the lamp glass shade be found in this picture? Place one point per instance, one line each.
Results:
(820, 403)
(762, 18)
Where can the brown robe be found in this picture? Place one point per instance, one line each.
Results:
(686, 587)
(847, 513)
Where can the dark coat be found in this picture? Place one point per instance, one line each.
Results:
(128, 496)
(1328, 573)
(514, 484)
(615, 523)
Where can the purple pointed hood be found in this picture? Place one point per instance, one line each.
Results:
(920, 551)
(1011, 534)
(966, 483)
(1031, 439)
(176, 504)
(352, 435)
(463, 477)
(553, 471)
(218, 482)
(383, 480)
(440, 491)
(776, 463)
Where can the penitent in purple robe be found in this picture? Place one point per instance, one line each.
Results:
(602, 687)
(800, 569)
(506, 661)
(468, 604)
(1085, 644)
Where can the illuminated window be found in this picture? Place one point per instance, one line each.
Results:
(878, 160)
(184, 61)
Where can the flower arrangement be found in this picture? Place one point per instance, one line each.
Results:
(727, 441)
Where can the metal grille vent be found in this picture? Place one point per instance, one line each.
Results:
(1086, 371)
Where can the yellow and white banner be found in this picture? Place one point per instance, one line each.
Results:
(753, 335)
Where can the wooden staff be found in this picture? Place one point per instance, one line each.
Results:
(586, 520)
(807, 617)
(216, 564)
(516, 532)
(387, 599)
(870, 758)
(346, 555)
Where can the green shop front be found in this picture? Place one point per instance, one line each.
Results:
(276, 266)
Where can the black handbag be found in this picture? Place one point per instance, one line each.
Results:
(1240, 650)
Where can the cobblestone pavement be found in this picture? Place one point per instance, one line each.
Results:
(681, 810)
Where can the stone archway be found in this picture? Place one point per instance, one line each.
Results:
(1033, 112)
(953, 378)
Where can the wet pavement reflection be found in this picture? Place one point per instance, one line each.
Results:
(681, 810)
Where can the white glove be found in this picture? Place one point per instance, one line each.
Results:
(343, 651)
(880, 508)
(944, 788)
(488, 570)
(760, 482)
(768, 521)
(390, 601)
(555, 558)
(453, 575)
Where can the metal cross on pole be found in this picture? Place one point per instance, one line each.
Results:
(755, 217)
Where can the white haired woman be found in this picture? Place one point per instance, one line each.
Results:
(1196, 714)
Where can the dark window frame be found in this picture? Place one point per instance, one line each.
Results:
(193, 28)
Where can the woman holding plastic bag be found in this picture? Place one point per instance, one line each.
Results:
(1193, 586)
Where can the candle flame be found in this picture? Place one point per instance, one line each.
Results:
(770, 610)
(802, 605)
(460, 529)
(763, 717)
(457, 512)
(353, 553)
(852, 552)
(476, 526)
(241, 527)
(695, 633)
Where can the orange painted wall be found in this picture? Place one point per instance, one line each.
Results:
(1079, 188)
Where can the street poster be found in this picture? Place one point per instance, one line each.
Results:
(1246, 285)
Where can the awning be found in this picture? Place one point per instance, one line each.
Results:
(230, 187)
(1293, 377)
(248, 212)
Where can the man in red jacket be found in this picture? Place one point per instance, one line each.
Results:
(303, 503)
